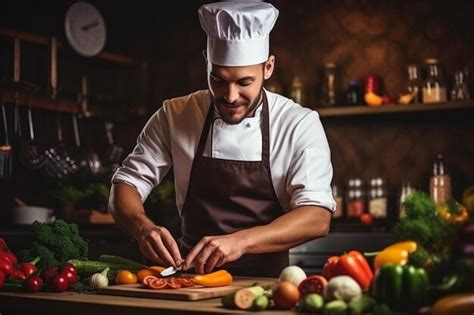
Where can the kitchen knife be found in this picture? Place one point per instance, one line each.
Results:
(170, 271)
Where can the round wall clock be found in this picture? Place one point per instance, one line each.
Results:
(85, 29)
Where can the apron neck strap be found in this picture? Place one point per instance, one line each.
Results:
(265, 127)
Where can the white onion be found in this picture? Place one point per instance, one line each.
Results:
(293, 274)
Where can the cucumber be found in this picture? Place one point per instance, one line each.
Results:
(363, 304)
(122, 261)
(260, 303)
(336, 307)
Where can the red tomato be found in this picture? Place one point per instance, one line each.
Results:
(157, 284)
(70, 276)
(148, 279)
(69, 267)
(59, 283)
(33, 284)
(366, 218)
(174, 283)
(286, 295)
(313, 284)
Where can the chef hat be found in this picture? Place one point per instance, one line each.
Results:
(237, 32)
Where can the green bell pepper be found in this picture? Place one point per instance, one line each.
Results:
(400, 287)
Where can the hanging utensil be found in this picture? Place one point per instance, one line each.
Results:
(59, 163)
(113, 153)
(5, 149)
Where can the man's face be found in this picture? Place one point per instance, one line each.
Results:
(236, 90)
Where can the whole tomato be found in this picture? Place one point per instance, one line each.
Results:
(59, 283)
(286, 295)
(366, 218)
(70, 276)
(69, 267)
(33, 284)
(48, 273)
(313, 284)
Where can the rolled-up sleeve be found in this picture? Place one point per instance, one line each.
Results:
(150, 160)
(310, 173)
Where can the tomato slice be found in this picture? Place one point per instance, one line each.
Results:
(185, 283)
(147, 279)
(173, 283)
(313, 284)
(157, 284)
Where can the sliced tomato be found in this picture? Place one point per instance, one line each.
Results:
(147, 279)
(157, 284)
(174, 283)
(313, 284)
(186, 283)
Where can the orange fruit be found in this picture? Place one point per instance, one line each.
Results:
(147, 272)
(157, 268)
(125, 277)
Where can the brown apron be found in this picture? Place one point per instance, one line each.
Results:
(225, 196)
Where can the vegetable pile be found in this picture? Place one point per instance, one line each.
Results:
(55, 243)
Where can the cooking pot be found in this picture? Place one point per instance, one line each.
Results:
(28, 215)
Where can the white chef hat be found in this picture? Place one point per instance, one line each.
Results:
(237, 32)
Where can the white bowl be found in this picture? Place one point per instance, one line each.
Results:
(28, 215)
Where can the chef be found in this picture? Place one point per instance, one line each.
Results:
(252, 169)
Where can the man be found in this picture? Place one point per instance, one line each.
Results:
(252, 169)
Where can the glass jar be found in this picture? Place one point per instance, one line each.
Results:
(329, 91)
(338, 198)
(414, 83)
(353, 95)
(377, 198)
(460, 91)
(297, 91)
(406, 190)
(434, 87)
(440, 182)
(355, 200)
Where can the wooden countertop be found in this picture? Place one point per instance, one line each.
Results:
(73, 303)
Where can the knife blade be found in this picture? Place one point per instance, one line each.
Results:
(170, 271)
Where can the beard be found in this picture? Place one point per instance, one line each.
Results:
(234, 113)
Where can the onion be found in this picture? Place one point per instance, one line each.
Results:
(293, 274)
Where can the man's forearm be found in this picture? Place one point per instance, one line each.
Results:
(291, 229)
(127, 209)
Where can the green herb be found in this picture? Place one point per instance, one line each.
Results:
(55, 243)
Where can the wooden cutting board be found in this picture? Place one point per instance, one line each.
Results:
(185, 294)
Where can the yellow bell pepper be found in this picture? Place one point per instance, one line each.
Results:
(397, 253)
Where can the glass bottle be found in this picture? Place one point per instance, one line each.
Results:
(353, 95)
(338, 198)
(406, 191)
(297, 91)
(329, 93)
(460, 91)
(414, 83)
(434, 87)
(377, 198)
(355, 200)
(440, 182)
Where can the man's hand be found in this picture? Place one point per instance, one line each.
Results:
(159, 245)
(214, 251)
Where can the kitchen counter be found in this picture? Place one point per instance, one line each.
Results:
(73, 303)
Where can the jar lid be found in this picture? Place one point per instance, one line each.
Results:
(431, 61)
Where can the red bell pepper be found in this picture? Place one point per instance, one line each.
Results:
(352, 264)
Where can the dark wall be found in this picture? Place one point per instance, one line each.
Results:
(359, 36)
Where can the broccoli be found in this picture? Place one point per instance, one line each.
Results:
(55, 243)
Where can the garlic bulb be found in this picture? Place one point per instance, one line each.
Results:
(99, 280)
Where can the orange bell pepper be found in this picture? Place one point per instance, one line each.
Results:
(214, 279)
(352, 264)
(397, 254)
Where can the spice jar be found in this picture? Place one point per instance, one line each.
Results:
(406, 190)
(377, 198)
(297, 91)
(355, 200)
(460, 90)
(338, 198)
(414, 83)
(434, 87)
(440, 182)
(329, 93)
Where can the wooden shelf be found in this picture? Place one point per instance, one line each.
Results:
(44, 41)
(346, 111)
(68, 106)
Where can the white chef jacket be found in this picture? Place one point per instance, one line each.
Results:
(300, 158)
